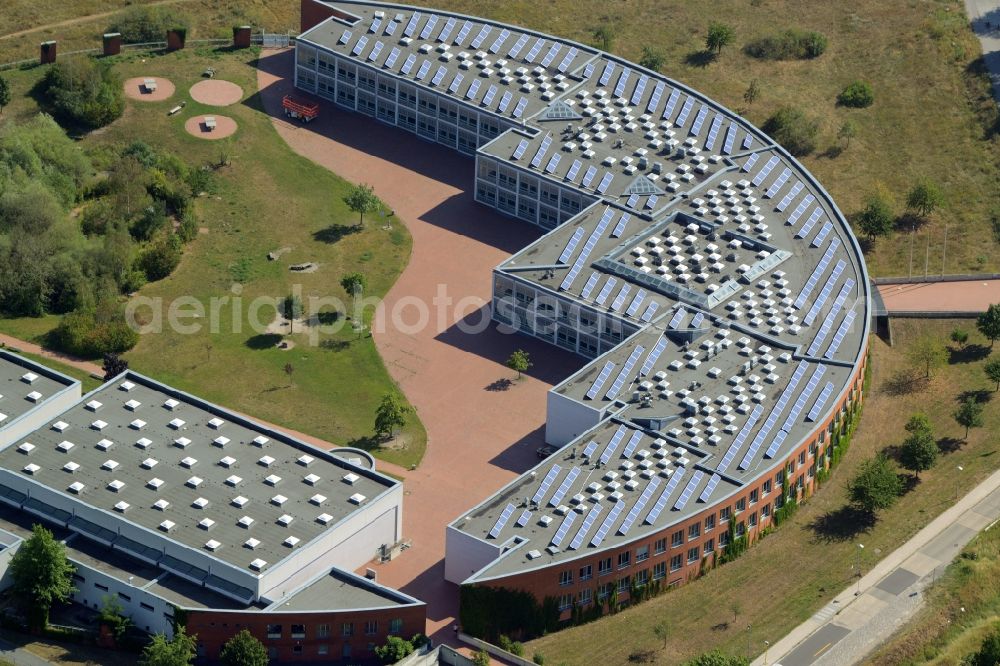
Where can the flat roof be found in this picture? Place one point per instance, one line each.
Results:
(25, 385)
(214, 475)
(339, 590)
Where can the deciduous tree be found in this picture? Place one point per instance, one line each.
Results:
(519, 361)
(244, 649)
(928, 353)
(876, 485)
(988, 323)
(41, 575)
(362, 199)
(924, 198)
(719, 35)
(163, 651)
(390, 415)
(969, 414)
(992, 370)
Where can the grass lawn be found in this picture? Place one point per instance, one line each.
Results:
(820, 541)
(959, 610)
(268, 198)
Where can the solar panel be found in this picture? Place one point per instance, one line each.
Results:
(773, 416)
(519, 109)
(360, 46)
(376, 24)
(376, 51)
(801, 208)
(535, 48)
(588, 70)
(519, 151)
(546, 484)
(633, 200)
(463, 33)
(483, 34)
(810, 223)
(553, 163)
(574, 170)
(713, 131)
(588, 522)
(587, 248)
(571, 245)
(490, 94)
(505, 101)
(674, 481)
(344, 37)
(653, 357)
(446, 30)
(473, 89)
(640, 87)
(564, 486)
(787, 199)
(624, 374)
(678, 317)
(671, 103)
(455, 83)
(776, 443)
(689, 490)
(845, 326)
(741, 437)
(750, 162)
(551, 55)
(636, 303)
(606, 74)
(518, 46)
(609, 520)
(620, 298)
(825, 293)
(390, 29)
(800, 402)
(429, 26)
(640, 504)
(765, 171)
(439, 75)
(654, 99)
(523, 518)
(612, 446)
(424, 68)
(601, 378)
(390, 62)
(602, 187)
(817, 272)
(652, 201)
(498, 42)
(817, 407)
(747, 141)
(709, 488)
(589, 450)
(633, 442)
(502, 521)
(543, 148)
(699, 120)
(622, 82)
(588, 175)
(778, 183)
(727, 147)
(560, 534)
(650, 311)
(620, 227)
(698, 318)
(823, 233)
(685, 112)
(824, 330)
(591, 283)
(567, 59)
(412, 24)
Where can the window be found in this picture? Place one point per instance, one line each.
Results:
(741, 528)
(624, 559)
(587, 572)
(124, 597)
(741, 505)
(642, 578)
(676, 539)
(660, 546)
(753, 519)
(272, 652)
(723, 539)
(802, 457)
(694, 531)
(274, 631)
(322, 631)
(347, 630)
(624, 584)
(765, 511)
(604, 566)
(565, 578)
(710, 523)
(102, 588)
(586, 596)
(694, 554)
(709, 547)
(767, 487)
(603, 591)
(145, 606)
(777, 479)
(565, 601)
(675, 562)
(754, 496)
(371, 627)
(296, 649)
(642, 553)
(298, 631)
(724, 514)
(322, 649)
(396, 625)
(659, 570)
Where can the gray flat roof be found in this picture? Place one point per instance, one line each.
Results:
(339, 590)
(163, 446)
(25, 385)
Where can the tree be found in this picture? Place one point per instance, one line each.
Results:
(41, 575)
(289, 369)
(519, 361)
(661, 630)
(244, 649)
(719, 35)
(354, 283)
(717, 658)
(4, 93)
(291, 309)
(794, 130)
(847, 132)
(652, 59)
(970, 415)
(876, 218)
(959, 336)
(876, 485)
(992, 370)
(147, 24)
(361, 199)
(929, 352)
(481, 658)
(114, 365)
(83, 92)
(918, 423)
(163, 651)
(752, 93)
(604, 35)
(857, 94)
(394, 649)
(919, 452)
(988, 323)
(736, 606)
(161, 258)
(390, 415)
(112, 615)
(924, 198)
(988, 653)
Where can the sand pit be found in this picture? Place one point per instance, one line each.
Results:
(136, 89)
(224, 126)
(216, 93)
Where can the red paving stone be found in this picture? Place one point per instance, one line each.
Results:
(135, 90)
(478, 439)
(964, 296)
(216, 92)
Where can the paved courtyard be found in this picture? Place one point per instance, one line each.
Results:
(965, 296)
(478, 439)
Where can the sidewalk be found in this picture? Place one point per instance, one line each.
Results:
(984, 15)
(868, 612)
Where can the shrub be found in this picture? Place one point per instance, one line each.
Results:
(147, 24)
(788, 45)
(394, 649)
(792, 129)
(161, 258)
(84, 93)
(857, 95)
(92, 334)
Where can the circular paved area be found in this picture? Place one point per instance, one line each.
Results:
(224, 126)
(134, 89)
(216, 93)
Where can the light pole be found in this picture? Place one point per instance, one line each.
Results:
(861, 547)
(749, 626)
(960, 469)
(767, 644)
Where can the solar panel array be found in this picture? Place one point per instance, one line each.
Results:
(601, 378)
(588, 247)
(605, 527)
(772, 418)
(817, 272)
(800, 402)
(689, 490)
(616, 304)
(622, 81)
(609, 68)
(801, 208)
(636, 303)
(778, 183)
(589, 449)
(623, 375)
(750, 162)
(787, 199)
(810, 223)
(639, 505)
(765, 170)
(571, 245)
(654, 99)
(523, 518)
(633, 442)
(546, 484)
(727, 147)
(563, 488)
(560, 534)
(553, 163)
(822, 234)
(741, 437)
(685, 112)
(650, 311)
(502, 521)
(519, 151)
(588, 176)
(574, 170)
(699, 120)
(845, 326)
(588, 522)
(567, 60)
(591, 283)
(620, 227)
(817, 407)
(824, 330)
(612, 446)
(640, 87)
(602, 295)
(498, 42)
(824, 293)
(713, 132)
(518, 46)
(709, 488)
(602, 187)
(661, 502)
(483, 34)
(678, 317)
(671, 103)
(654, 356)
(543, 148)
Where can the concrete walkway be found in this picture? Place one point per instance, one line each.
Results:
(964, 296)
(985, 18)
(867, 613)
(19, 656)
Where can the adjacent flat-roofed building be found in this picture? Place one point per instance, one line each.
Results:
(30, 393)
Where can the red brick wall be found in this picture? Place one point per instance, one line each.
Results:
(314, 13)
(214, 628)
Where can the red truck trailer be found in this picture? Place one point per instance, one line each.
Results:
(304, 111)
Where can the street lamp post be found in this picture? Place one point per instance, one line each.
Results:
(960, 469)
(861, 547)
(767, 644)
(749, 626)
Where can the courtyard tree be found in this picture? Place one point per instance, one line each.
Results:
(113, 366)
(752, 92)
(717, 658)
(919, 452)
(662, 630)
(875, 486)
(924, 198)
(988, 323)
(652, 59)
(291, 309)
(519, 361)
(390, 416)
(992, 370)
(959, 336)
(847, 131)
(362, 199)
(794, 130)
(719, 35)
(918, 423)
(163, 651)
(604, 36)
(988, 653)
(969, 415)
(928, 353)
(112, 615)
(481, 658)
(4, 93)
(41, 576)
(244, 649)
(354, 284)
(876, 218)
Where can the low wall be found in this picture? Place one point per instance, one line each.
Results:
(968, 277)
